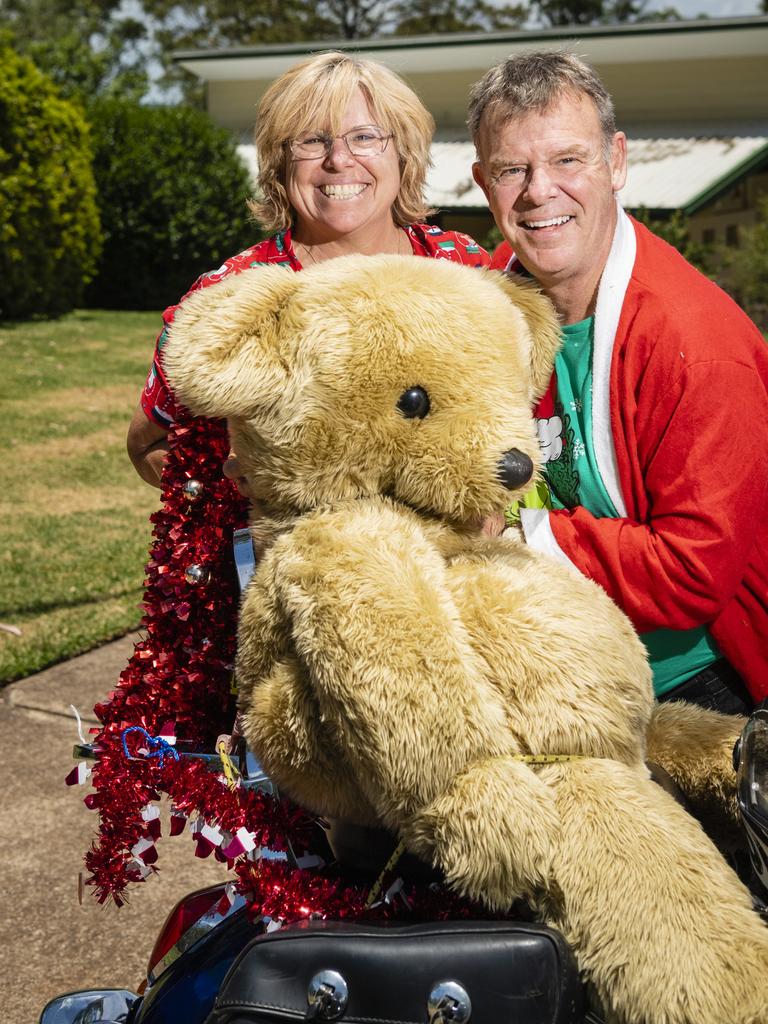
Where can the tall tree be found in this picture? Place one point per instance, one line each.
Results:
(217, 24)
(357, 19)
(86, 47)
(427, 17)
(599, 12)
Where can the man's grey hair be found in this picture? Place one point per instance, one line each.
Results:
(533, 82)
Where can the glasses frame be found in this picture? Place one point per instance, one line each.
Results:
(330, 139)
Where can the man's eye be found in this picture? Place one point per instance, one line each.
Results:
(508, 173)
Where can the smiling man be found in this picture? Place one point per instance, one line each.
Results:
(655, 426)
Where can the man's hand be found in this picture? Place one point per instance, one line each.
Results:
(493, 525)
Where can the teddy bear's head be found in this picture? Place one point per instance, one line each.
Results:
(371, 375)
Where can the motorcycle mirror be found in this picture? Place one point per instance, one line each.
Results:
(752, 789)
(100, 1006)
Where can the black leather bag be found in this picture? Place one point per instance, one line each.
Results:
(481, 972)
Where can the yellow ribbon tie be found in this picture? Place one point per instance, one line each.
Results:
(376, 888)
(226, 763)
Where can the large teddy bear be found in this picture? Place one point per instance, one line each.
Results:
(399, 669)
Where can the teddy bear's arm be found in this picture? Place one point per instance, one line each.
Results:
(280, 716)
(404, 696)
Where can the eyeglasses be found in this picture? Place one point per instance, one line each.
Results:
(369, 140)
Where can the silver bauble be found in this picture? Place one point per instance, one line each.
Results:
(193, 489)
(196, 574)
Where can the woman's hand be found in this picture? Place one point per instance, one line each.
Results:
(231, 741)
(147, 445)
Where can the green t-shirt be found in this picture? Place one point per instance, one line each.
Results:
(574, 479)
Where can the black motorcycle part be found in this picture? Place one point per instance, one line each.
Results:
(507, 971)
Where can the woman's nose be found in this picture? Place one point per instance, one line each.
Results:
(339, 155)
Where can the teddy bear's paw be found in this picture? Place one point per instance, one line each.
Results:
(695, 747)
(492, 832)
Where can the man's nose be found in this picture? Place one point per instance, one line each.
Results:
(540, 186)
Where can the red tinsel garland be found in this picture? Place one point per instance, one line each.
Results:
(178, 681)
(181, 672)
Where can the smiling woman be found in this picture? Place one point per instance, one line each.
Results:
(343, 152)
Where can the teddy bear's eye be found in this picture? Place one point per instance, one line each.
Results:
(414, 403)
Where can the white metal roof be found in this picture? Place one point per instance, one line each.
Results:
(665, 173)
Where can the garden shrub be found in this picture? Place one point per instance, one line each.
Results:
(674, 229)
(49, 225)
(172, 196)
(744, 270)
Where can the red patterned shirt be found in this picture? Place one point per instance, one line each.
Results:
(157, 399)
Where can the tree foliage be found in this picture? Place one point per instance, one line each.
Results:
(599, 12)
(426, 17)
(743, 271)
(172, 193)
(49, 225)
(86, 47)
(675, 230)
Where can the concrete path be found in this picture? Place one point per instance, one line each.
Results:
(50, 943)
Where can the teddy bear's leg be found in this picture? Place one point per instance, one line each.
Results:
(660, 924)
(695, 746)
(405, 698)
(485, 831)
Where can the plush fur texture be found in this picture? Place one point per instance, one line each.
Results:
(393, 664)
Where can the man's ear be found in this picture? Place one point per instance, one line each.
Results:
(618, 161)
(223, 356)
(479, 176)
(543, 324)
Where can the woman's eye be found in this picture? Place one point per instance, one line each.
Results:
(414, 403)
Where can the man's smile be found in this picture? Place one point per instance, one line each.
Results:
(551, 222)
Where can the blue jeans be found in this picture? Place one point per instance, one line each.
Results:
(718, 687)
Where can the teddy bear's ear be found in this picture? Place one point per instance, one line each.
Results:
(222, 356)
(546, 336)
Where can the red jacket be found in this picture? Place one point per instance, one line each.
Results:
(680, 424)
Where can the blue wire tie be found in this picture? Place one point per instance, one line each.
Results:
(158, 747)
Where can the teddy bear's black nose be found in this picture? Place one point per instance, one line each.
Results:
(514, 469)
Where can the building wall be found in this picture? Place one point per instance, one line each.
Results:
(723, 221)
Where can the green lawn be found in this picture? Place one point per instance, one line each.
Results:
(74, 528)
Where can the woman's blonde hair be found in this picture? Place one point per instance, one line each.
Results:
(314, 95)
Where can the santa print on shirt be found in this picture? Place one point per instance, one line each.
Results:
(556, 441)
